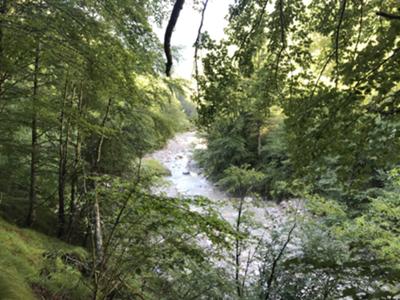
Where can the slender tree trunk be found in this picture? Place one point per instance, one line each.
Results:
(3, 9)
(95, 273)
(72, 204)
(62, 164)
(117, 221)
(96, 207)
(259, 144)
(3, 12)
(197, 46)
(76, 164)
(98, 254)
(275, 262)
(238, 249)
(34, 142)
(98, 229)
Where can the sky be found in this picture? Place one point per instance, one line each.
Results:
(185, 33)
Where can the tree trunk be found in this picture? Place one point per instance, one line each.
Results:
(259, 144)
(76, 164)
(98, 252)
(274, 266)
(3, 9)
(238, 250)
(168, 34)
(34, 143)
(62, 163)
(3, 12)
(98, 230)
(96, 208)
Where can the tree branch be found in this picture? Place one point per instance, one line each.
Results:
(276, 260)
(255, 26)
(283, 38)
(359, 30)
(197, 44)
(168, 33)
(337, 39)
(387, 15)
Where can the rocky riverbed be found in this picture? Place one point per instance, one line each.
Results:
(187, 180)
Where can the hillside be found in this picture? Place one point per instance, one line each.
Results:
(35, 266)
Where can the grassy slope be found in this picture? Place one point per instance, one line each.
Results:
(155, 168)
(32, 266)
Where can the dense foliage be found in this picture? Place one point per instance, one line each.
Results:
(82, 100)
(334, 74)
(299, 100)
(307, 92)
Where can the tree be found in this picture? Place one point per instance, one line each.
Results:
(240, 182)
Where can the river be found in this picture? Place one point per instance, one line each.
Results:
(187, 180)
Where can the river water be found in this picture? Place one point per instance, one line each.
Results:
(187, 180)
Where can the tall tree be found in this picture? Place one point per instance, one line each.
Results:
(34, 140)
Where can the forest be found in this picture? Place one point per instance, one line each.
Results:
(273, 173)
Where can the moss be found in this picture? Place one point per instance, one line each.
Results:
(13, 286)
(32, 266)
(155, 168)
(13, 210)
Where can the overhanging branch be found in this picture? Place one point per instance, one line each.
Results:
(197, 45)
(388, 15)
(168, 33)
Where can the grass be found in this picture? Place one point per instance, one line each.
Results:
(155, 168)
(32, 266)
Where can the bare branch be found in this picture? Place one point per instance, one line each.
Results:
(387, 15)
(197, 44)
(337, 37)
(168, 34)
(276, 260)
